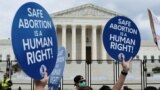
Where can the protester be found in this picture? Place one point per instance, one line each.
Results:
(126, 88)
(150, 88)
(81, 82)
(105, 88)
(19, 88)
(6, 82)
(85, 88)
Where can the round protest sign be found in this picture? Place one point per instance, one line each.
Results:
(34, 40)
(121, 38)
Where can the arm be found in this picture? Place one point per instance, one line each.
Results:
(122, 77)
(40, 84)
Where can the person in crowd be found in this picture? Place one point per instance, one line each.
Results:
(126, 88)
(150, 88)
(80, 81)
(19, 88)
(6, 82)
(85, 88)
(105, 88)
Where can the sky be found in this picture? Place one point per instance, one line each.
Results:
(134, 9)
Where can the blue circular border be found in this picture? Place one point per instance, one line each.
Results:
(19, 34)
(106, 39)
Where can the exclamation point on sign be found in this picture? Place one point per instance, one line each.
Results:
(51, 53)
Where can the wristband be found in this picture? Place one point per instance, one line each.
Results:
(124, 73)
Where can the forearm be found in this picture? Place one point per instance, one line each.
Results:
(39, 85)
(119, 83)
(39, 88)
(123, 75)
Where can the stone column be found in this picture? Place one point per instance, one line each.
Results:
(94, 42)
(83, 42)
(73, 42)
(55, 26)
(64, 29)
(103, 51)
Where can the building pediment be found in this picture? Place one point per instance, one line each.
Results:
(87, 10)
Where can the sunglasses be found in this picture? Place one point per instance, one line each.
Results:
(81, 81)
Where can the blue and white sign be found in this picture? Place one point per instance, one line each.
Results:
(34, 40)
(57, 73)
(121, 38)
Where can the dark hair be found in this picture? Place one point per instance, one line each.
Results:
(126, 88)
(105, 88)
(19, 88)
(150, 88)
(85, 88)
(10, 83)
(77, 78)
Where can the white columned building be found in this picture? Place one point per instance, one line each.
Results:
(79, 29)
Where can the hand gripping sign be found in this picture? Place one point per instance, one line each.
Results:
(121, 38)
(57, 73)
(34, 40)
